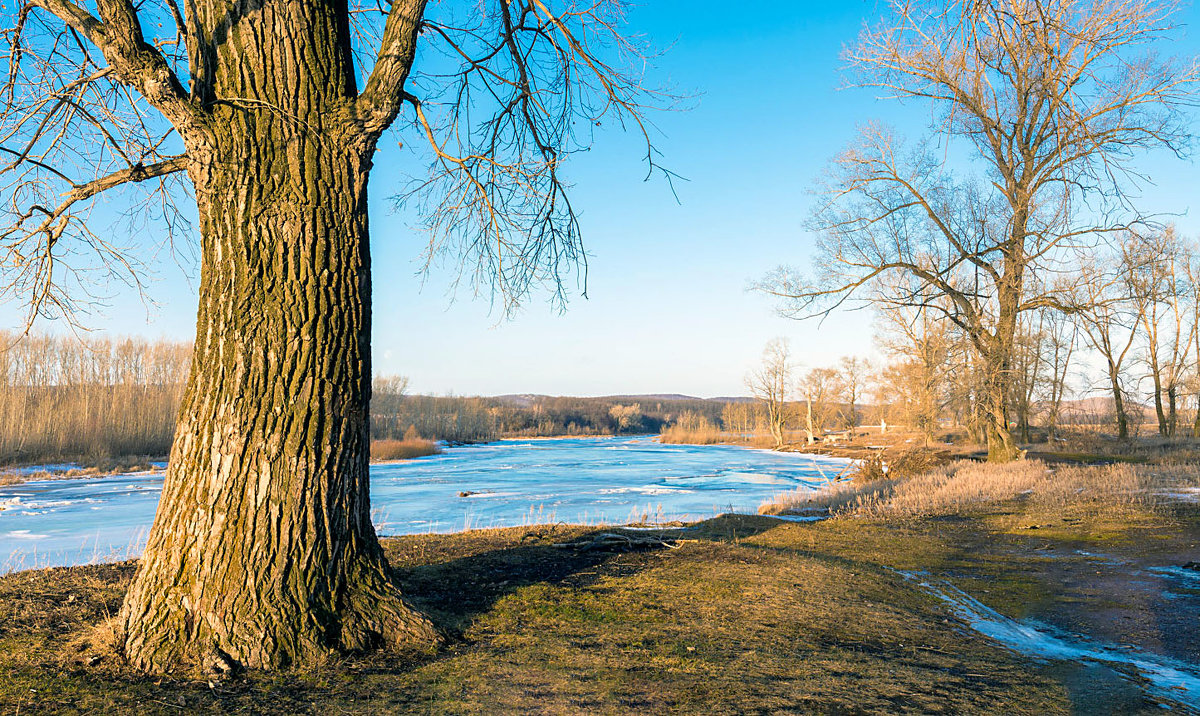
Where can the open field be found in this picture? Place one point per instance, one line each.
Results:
(745, 614)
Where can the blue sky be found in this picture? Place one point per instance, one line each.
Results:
(668, 309)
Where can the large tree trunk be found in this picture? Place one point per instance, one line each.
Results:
(262, 553)
(997, 384)
(1000, 443)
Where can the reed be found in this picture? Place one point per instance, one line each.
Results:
(407, 449)
(692, 428)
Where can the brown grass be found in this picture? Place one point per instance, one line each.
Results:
(676, 435)
(965, 486)
(95, 468)
(745, 619)
(692, 429)
(384, 450)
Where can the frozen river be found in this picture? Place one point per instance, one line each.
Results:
(513, 482)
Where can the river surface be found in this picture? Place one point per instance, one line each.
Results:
(507, 483)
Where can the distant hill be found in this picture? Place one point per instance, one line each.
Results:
(524, 400)
(1086, 410)
(651, 396)
(521, 400)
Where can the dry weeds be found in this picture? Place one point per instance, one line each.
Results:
(964, 486)
(403, 449)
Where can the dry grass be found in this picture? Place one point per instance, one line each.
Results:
(692, 429)
(383, 450)
(95, 468)
(676, 435)
(897, 465)
(965, 486)
(745, 619)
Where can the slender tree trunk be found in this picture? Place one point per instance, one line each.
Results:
(1118, 402)
(775, 418)
(1196, 420)
(808, 421)
(262, 553)
(1172, 413)
(1159, 412)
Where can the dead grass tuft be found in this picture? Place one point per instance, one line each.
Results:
(692, 429)
(964, 486)
(403, 449)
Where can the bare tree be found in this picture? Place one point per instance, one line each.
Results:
(771, 383)
(1054, 98)
(1167, 320)
(1062, 336)
(1110, 307)
(818, 388)
(1191, 271)
(921, 349)
(1028, 369)
(738, 418)
(270, 114)
(853, 373)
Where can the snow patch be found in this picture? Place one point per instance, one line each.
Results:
(23, 534)
(800, 518)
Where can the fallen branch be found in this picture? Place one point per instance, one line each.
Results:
(615, 542)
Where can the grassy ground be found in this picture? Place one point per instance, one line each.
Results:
(751, 615)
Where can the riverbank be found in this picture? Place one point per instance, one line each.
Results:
(745, 614)
(382, 452)
(80, 468)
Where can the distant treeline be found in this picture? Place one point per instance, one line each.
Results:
(88, 399)
(91, 399)
(457, 419)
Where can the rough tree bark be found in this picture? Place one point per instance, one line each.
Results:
(263, 552)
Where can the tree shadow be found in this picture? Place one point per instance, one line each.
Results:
(453, 592)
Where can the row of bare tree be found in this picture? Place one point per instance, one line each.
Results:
(1040, 111)
(1125, 327)
(1125, 330)
(817, 399)
(69, 398)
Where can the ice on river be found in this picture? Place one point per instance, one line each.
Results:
(511, 482)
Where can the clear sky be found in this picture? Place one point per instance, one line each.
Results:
(668, 309)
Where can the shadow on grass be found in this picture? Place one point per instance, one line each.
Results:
(454, 592)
